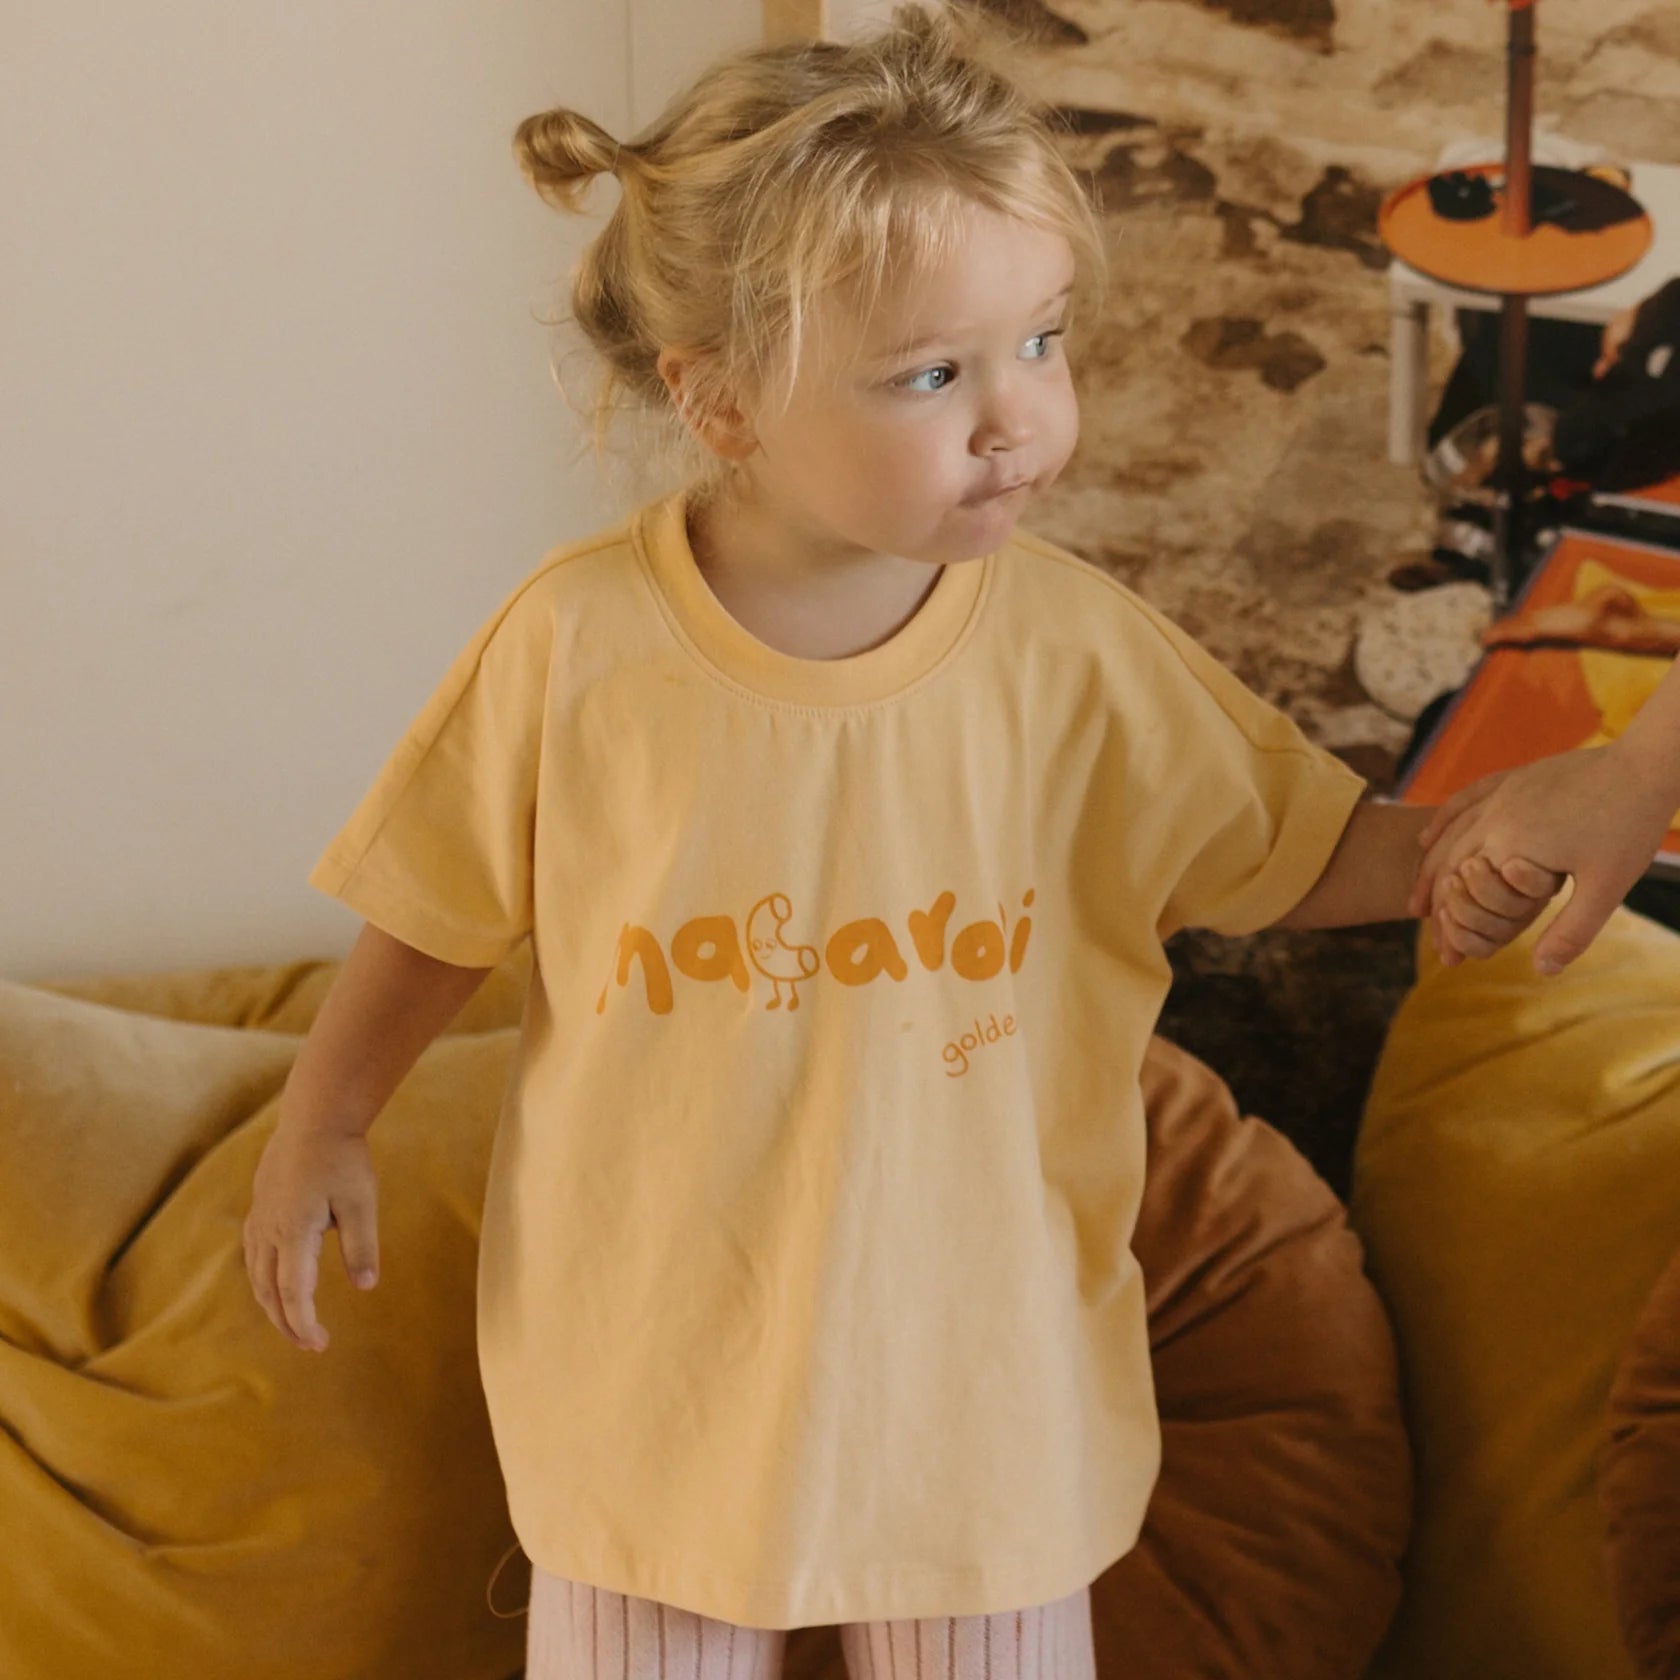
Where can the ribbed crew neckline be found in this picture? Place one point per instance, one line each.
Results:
(938, 627)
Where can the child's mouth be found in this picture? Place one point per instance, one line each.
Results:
(1001, 493)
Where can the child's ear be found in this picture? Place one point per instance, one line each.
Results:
(720, 426)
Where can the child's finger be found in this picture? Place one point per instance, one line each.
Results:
(1445, 946)
(268, 1293)
(259, 1267)
(358, 1239)
(296, 1275)
(1470, 943)
(1453, 842)
(1489, 888)
(1532, 879)
(1467, 916)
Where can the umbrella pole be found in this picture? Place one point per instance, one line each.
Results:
(1510, 472)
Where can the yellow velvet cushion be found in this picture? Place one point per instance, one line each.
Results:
(1517, 1184)
(181, 1491)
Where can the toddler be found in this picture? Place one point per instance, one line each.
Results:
(846, 822)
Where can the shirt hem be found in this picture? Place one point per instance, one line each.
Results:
(895, 1595)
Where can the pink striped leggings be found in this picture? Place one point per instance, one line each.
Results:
(587, 1633)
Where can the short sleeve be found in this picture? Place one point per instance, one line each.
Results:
(438, 854)
(1247, 811)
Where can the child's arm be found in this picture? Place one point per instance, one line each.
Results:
(1370, 876)
(387, 1004)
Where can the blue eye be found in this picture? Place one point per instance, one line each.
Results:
(1044, 340)
(943, 375)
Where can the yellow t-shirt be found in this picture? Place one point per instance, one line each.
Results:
(805, 1293)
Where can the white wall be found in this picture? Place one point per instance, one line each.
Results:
(279, 427)
(671, 39)
(844, 18)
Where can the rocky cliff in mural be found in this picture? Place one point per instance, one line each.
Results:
(1233, 466)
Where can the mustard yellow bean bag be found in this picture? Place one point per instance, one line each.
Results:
(182, 1493)
(1517, 1184)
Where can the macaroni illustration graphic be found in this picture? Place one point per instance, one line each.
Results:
(769, 952)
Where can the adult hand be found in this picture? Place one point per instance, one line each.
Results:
(1587, 813)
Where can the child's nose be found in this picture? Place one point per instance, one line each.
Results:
(1004, 425)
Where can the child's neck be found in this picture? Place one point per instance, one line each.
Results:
(797, 594)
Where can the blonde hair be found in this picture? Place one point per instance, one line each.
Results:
(786, 171)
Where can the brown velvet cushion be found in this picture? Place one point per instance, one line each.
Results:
(1274, 1538)
(1639, 1484)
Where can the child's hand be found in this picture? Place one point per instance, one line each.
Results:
(306, 1181)
(1477, 909)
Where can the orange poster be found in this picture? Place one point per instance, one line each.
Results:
(1580, 651)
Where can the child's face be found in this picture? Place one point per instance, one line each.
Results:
(923, 430)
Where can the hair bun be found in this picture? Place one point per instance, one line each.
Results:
(561, 152)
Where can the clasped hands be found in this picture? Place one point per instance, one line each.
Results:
(1474, 906)
(1597, 814)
